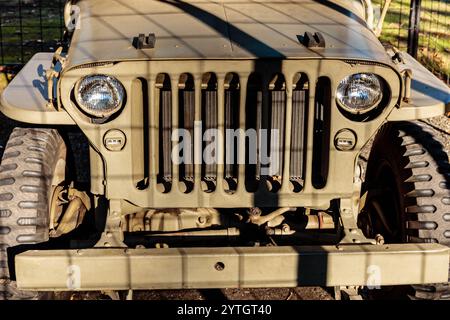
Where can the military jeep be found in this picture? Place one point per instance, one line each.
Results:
(224, 145)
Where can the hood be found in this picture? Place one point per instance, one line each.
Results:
(221, 30)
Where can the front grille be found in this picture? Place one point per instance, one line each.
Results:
(295, 96)
(253, 102)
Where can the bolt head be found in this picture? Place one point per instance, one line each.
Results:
(219, 266)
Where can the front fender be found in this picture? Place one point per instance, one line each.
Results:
(25, 98)
(429, 97)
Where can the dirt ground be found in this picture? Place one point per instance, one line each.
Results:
(304, 293)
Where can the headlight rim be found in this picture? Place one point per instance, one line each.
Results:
(105, 114)
(356, 112)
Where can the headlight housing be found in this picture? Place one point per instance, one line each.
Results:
(359, 92)
(99, 95)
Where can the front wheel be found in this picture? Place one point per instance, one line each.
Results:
(33, 164)
(408, 191)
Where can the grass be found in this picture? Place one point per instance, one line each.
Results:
(434, 32)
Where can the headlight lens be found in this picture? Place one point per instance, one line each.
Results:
(359, 93)
(99, 95)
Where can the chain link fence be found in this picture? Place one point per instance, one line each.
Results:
(29, 26)
(430, 25)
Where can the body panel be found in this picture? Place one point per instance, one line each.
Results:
(430, 96)
(25, 98)
(220, 30)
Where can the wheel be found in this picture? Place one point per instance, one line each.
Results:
(408, 185)
(33, 164)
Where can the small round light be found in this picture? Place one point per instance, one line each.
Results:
(99, 95)
(345, 140)
(114, 140)
(359, 93)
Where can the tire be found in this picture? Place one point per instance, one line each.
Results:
(416, 199)
(33, 161)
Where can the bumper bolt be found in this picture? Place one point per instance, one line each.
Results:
(219, 266)
(379, 239)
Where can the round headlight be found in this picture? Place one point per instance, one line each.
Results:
(99, 95)
(359, 93)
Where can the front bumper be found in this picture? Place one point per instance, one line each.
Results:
(175, 268)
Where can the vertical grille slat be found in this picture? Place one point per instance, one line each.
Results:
(188, 112)
(242, 120)
(258, 127)
(298, 116)
(140, 133)
(220, 143)
(321, 132)
(166, 127)
(231, 118)
(175, 125)
(298, 134)
(253, 122)
(210, 121)
(185, 120)
(278, 108)
(198, 146)
(152, 131)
